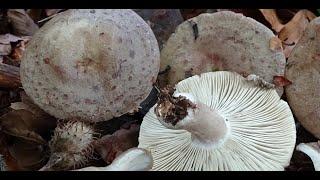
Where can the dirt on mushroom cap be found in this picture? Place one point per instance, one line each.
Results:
(221, 41)
(303, 71)
(93, 64)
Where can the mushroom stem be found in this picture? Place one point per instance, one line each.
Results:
(134, 159)
(206, 125)
(313, 151)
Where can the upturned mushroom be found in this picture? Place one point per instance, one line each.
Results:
(221, 41)
(134, 159)
(219, 121)
(302, 70)
(91, 64)
(311, 149)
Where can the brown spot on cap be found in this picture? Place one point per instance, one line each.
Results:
(46, 60)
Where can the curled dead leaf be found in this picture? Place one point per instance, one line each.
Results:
(110, 146)
(50, 12)
(22, 24)
(18, 123)
(281, 81)
(291, 32)
(17, 51)
(275, 44)
(35, 14)
(42, 122)
(271, 16)
(5, 43)
(28, 155)
(9, 76)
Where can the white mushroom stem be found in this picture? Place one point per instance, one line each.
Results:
(206, 125)
(134, 159)
(313, 151)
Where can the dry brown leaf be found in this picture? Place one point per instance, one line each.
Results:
(18, 123)
(50, 12)
(281, 81)
(271, 16)
(275, 44)
(42, 121)
(10, 163)
(35, 14)
(110, 146)
(5, 43)
(190, 13)
(21, 23)
(28, 155)
(293, 30)
(9, 76)
(17, 51)
(5, 49)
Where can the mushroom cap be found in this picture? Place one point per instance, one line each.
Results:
(261, 135)
(91, 64)
(224, 41)
(303, 71)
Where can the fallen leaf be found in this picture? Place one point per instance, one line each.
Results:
(10, 163)
(275, 44)
(35, 14)
(110, 146)
(190, 13)
(6, 41)
(163, 22)
(21, 23)
(17, 51)
(4, 99)
(9, 76)
(28, 155)
(293, 30)
(50, 12)
(17, 123)
(42, 122)
(271, 16)
(8, 38)
(4, 28)
(5, 49)
(281, 81)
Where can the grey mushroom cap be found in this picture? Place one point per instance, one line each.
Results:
(221, 41)
(303, 71)
(235, 126)
(91, 64)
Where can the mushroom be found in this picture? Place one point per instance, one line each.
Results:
(91, 64)
(219, 121)
(302, 70)
(221, 41)
(312, 149)
(134, 159)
